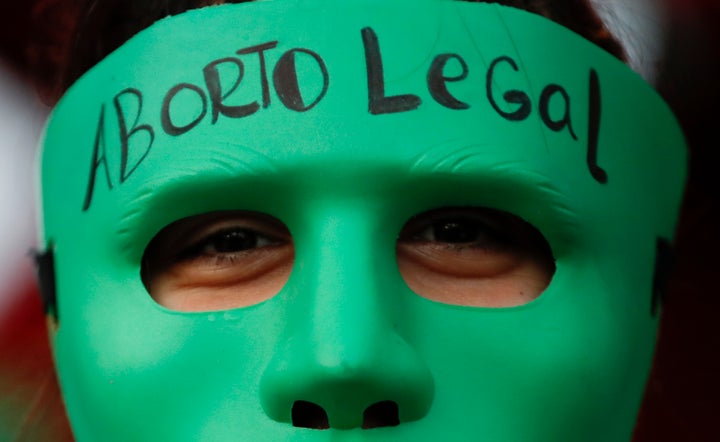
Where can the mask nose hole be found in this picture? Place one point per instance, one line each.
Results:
(309, 415)
(381, 414)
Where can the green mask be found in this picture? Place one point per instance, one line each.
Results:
(344, 120)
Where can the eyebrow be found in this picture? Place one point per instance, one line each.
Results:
(474, 162)
(170, 184)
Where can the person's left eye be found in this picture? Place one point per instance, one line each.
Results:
(460, 230)
(474, 256)
(218, 261)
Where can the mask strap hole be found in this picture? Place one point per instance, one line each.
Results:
(309, 415)
(381, 414)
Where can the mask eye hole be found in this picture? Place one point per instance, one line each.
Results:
(218, 261)
(474, 256)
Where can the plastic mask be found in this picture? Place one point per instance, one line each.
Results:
(344, 120)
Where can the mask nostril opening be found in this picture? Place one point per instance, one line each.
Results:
(381, 414)
(308, 415)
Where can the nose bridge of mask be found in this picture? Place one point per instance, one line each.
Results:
(340, 349)
(337, 256)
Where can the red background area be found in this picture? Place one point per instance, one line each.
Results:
(682, 397)
(29, 396)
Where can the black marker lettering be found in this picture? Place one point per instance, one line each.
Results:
(594, 116)
(378, 103)
(98, 158)
(212, 81)
(514, 96)
(168, 126)
(545, 98)
(286, 84)
(260, 49)
(436, 81)
(125, 135)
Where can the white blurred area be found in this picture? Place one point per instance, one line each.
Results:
(22, 117)
(640, 25)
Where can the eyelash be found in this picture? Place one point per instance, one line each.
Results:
(486, 235)
(220, 260)
(199, 248)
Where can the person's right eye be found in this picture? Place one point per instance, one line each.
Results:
(218, 261)
(232, 240)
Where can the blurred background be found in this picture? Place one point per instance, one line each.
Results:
(682, 398)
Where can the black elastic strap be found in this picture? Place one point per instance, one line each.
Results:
(45, 268)
(664, 260)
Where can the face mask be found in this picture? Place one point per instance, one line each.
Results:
(343, 121)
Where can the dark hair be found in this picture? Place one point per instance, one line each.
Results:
(101, 26)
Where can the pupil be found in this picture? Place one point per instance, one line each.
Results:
(456, 231)
(235, 241)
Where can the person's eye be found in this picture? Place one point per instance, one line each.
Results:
(229, 243)
(474, 256)
(217, 261)
(458, 231)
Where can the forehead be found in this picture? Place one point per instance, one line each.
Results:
(355, 93)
